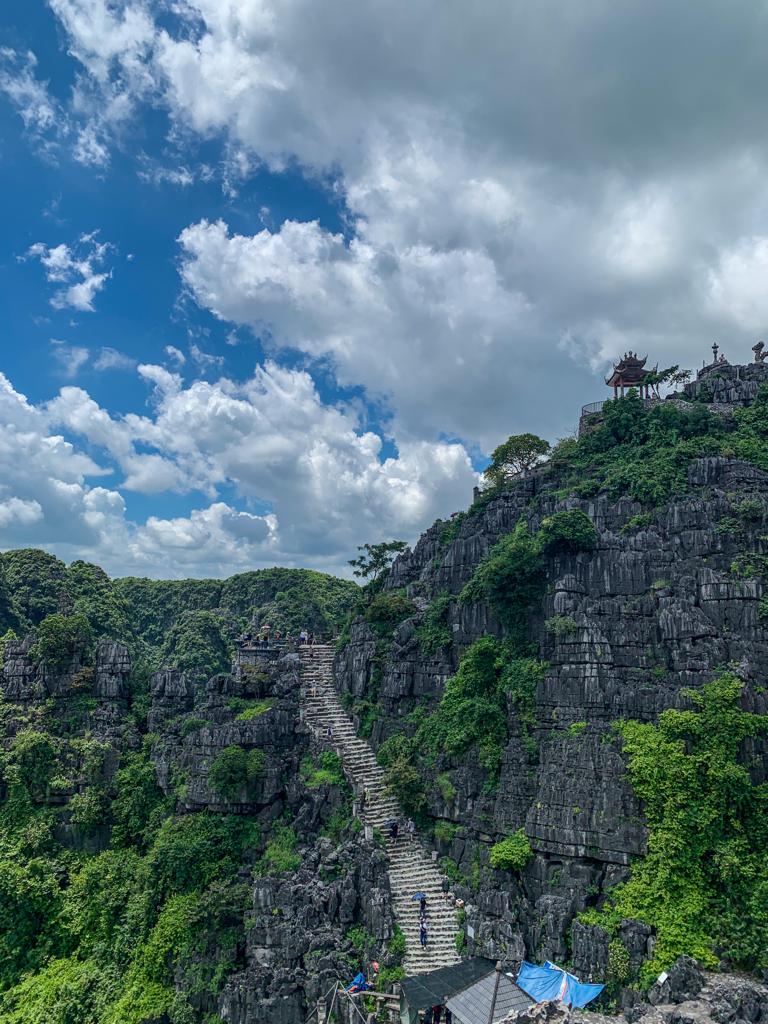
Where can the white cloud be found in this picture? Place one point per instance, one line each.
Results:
(17, 510)
(270, 440)
(204, 360)
(71, 358)
(110, 359)
(89, 149)
(75, 268)
(41, 114)
(175, 355)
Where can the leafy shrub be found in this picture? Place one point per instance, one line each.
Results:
(191, 852)
(139, 805)
(512, 853)
(386, 612)
(510, 578)
(637, 522)
(280, 855)
(254, 710)
(59, 636)
(32, 759)
(576, 728)
(567, 532)
(445, 832)
(328, 772)
(434, 634)
(704, 881)
(407, 783)
(749, 509)
(394, 747)
(445, 787)
(87, 810)
(472, 709)
(190, 725)
(360, 939)
(561, 626)
(235, 770)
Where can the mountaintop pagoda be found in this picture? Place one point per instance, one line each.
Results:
(629, 372)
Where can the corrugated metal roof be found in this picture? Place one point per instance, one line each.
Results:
(472, 1005)
(435, 987)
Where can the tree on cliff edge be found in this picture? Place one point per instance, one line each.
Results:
(519, 453)
(374, 562)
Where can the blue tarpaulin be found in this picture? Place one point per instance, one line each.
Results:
(551, 982)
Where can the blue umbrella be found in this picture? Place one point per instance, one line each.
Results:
(419, 896)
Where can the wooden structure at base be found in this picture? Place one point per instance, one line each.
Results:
(630, 372)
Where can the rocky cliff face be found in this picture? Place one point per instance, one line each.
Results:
(654, 608)
(279, 929)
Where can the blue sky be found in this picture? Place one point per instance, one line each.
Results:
(277, 279)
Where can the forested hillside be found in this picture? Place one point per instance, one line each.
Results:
(189, 624)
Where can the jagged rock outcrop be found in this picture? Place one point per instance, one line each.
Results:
(296, 932)
(650, 611)
(111, 670)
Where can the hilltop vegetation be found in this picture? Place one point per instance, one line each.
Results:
(188, 623)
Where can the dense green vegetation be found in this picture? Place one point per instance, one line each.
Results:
(94, 938)
(190, 624)
(433, 633)
(646, 452)
(703, 885)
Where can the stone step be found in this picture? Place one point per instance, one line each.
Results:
(411, 869)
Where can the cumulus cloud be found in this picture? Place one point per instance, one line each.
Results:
(305, 482)
(523, 194)
(509, 179)
(75, 268)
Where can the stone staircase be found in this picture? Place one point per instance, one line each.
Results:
(411, 868)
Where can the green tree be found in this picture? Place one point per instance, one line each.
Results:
(672, 375)
(59, 637)
(93, 594)
(235, 770)
(568, 531)
(375, 561)
(31, 761)
(198, 643)
(517, 454)
(36, 580)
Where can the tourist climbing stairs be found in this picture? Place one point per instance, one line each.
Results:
(411, 867)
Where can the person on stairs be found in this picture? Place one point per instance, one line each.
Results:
(423, 933)
(437, 1014)
(448, 1014)
(393, 830)
(329, 733)
(410, 827)
(423, 908)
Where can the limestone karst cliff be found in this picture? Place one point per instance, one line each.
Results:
(177, 845)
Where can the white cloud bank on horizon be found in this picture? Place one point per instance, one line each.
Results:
(270, 439)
